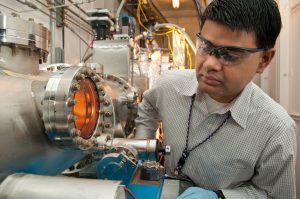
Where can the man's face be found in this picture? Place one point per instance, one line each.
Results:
(223, 82)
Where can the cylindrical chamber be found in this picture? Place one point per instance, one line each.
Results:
(24, 146)
(27, 186)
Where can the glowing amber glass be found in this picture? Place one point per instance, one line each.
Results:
(86, 109)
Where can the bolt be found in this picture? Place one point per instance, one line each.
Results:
(106, 103)
(75, 87)
(79, 76)
(107, 125)
(78, 141)
(97, 134)
(107, 114)
(30, 19)
(75, 132)
(96, 79)
(99, 87)
(71, 102)
(93, 73)
(71, 118)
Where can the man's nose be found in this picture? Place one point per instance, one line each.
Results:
(212, 63)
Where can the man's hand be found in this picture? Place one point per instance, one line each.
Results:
(198, 193)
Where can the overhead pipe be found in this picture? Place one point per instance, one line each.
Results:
(118, 14)
(187, 37)
(71, 17)
(30, 4)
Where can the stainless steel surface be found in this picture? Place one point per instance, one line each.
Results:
(114, 55)
(21, 34)
(52, 26)
(58, 111)
(119, 106)
(24, 146)
(26, 186)
(19, 60)
(142, 146)
(23, 44)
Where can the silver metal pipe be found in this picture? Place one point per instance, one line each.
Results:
(71, 17)
(186, 36)
(24, 145)
(142, 146)
(83, 11)
(27, 186)
(118, 14)
(66, 25)
(52, 25)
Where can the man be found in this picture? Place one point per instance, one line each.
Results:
(225, 133)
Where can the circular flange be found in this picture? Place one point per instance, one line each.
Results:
(71, 107)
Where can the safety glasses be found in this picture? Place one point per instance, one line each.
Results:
(227, 55)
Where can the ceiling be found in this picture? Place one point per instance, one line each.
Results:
(186, 8)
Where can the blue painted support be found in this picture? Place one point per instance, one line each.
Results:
(144, 191)
(116, 166)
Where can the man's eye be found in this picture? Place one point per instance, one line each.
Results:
(229, 57)
(205, 47)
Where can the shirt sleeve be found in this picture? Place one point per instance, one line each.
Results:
(274, 175)
(148, 119)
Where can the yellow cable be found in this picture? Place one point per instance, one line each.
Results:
(141, 8)
(189, 56)
(138, 14)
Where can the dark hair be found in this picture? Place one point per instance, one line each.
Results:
(259, 16)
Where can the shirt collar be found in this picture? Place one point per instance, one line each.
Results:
(239, 107)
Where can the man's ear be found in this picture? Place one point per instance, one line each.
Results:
(266, 58)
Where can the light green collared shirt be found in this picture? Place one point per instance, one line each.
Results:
(251, 156)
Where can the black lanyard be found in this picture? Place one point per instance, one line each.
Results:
(186, 152)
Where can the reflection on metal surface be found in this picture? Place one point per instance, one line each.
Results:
(118, 106)
(24, 44)
(27, 186)
(23, 144)
(86, 109)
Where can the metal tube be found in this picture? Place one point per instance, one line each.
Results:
(187, 37)
(142, 146)
(27, 186)
(77, 24)
(52, 25)
(24, 145)
(118, 14)
(78, 7)
(66, 25)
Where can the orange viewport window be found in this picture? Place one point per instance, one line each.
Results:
(86, 109)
